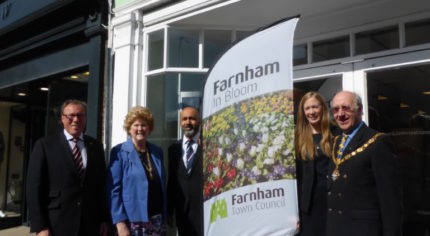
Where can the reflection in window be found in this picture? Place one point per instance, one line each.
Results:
(417, 32)
(183, 48)
(192, 82)
(398, 105)
(163, 99)
(300, 54)
(155, 50)
(377, 40)
(162, 102)
(330, 49)
(216, 41)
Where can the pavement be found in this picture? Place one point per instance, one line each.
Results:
(17, 231)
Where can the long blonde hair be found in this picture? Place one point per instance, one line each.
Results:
(304, 143)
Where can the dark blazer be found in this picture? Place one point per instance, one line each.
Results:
(185, 191)
(57, 197)
(365, 199)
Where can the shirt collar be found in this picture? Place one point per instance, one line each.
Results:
(195, 138)
(70, 137)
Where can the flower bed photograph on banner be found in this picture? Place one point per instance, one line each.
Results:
(249, 142)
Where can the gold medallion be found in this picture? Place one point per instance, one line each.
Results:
(335, 174)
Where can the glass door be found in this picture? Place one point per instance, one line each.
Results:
(399, 104)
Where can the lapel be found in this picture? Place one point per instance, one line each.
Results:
(91, 149)
(197, 159)
(155, 156)
(358, 140)
(180, 159)
(132, 154)
(134, 157)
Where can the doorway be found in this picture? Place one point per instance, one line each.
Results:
(29, 111)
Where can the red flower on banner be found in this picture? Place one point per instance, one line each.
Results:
(208, 188)
(218, 183)
(232, 173)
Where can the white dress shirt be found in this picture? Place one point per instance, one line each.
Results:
(80, 144)
(184, 147)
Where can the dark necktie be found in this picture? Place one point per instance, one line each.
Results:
(77, 156)
(189, 154)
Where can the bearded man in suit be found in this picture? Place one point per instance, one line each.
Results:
(363, 195)
(185, 183)
(66, 180)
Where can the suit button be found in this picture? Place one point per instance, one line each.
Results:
(340, 212)
(345, 176)
(330, 210)
(329, 193)
(78, 203)
(339, 194)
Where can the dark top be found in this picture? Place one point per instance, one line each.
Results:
(312, 178)
(365, 198)
(155, 194)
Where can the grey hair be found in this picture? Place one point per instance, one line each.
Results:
(357, 99)
(73, 101)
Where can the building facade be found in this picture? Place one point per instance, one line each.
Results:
(50, 51)
(163, 50)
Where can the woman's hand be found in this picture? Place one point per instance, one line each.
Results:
(122, 229)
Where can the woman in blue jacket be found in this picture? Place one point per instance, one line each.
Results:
(136, 179)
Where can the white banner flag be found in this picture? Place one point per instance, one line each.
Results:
(248, 137)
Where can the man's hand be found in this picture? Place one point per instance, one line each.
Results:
(44, 232)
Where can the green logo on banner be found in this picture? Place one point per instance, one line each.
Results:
(218, 208)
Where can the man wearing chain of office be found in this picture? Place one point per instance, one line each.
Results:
(363, 191)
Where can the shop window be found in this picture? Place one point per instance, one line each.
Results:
(216, 41)
(330, 49)
(155, 50)
(300, 54)
(377, 40)
(166, 95)
(183, 48)
(417, 32)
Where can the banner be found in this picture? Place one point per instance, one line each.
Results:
(248, 137)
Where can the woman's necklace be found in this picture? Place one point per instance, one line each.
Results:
(147, 165)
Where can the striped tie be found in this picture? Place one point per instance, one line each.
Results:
(78, 158)
(189, 154)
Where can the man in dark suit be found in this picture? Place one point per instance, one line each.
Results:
(66, 184)
(185, 183)
(363, 186)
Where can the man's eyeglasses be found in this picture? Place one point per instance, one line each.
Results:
(337, 109)
(71, 116)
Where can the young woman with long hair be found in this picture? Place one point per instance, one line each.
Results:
(313, 146)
